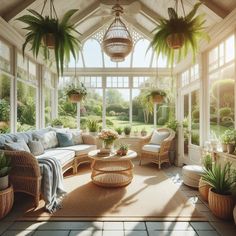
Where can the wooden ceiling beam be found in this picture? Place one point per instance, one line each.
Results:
(17, 9)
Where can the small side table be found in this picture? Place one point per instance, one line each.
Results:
(112, 170)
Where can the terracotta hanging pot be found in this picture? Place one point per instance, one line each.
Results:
(158, 99)
(221, 205)
(75, 97)
(175, 41)
(49, 40)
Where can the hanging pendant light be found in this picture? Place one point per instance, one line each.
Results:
(117, 41)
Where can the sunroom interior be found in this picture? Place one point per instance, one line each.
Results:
(199, 108)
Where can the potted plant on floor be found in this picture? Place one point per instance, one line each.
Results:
(127, 130)
(119, 130)
(157, 96)
(223, 182)
(76, 93)
(6, 191)
(179, 32)
(48, 33)
(203, 185)
(93, 126)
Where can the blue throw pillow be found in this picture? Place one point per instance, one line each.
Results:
(65, 139)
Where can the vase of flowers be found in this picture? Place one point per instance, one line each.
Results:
(108, 137)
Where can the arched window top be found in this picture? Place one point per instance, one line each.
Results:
(142, 54)
(92, 53)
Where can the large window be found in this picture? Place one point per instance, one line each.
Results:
(5, 88)
(221, 84)
(27, 85)
(5, 57)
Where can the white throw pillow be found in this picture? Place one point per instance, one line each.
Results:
(158, 137)
(76, 137)
(49, 139)
(36, 147)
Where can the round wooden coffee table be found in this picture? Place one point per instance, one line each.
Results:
(112, 170)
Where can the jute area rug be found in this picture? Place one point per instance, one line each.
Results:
(151, 196)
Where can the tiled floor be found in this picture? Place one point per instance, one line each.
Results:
(215, 227)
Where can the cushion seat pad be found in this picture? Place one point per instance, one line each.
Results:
(81, 149)
(63, 156)
(151, 148)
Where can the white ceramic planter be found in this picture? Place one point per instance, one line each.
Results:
(4, 182)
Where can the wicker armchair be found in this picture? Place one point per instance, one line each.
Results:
(25, 174)
(161, 154)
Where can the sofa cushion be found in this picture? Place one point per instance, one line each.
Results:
(80, 149)
(158, 137)
(36, 147)
(26, 136)
(77, 137)
(20, 145)
(151, 148)
(63, 156)
(48, 139)
(65, 139)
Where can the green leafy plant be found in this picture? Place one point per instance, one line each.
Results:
(190, 28)
(56, 122)
(127, 130)
(4, 165)
(123, 147)
(228, 136)
(156, 92)
(63, 32)
(119, 130)
(221, 179)
(172, 124)
(76, 89)
(92, 125)
(207, 162)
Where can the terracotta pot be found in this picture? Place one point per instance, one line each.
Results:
(121, 152)
(221, 205)
(158, 99)
(6, 201)
(224, 147)
(49, 41)
(4, 182)
(74, 98)
(175, 41)
(230, 148)
(204, 189)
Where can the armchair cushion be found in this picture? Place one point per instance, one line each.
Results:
(151, 148)
(158, 137)
(81, 149)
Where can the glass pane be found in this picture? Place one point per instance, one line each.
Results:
(213, 59)
(26, 107)
(32, 71)
(5, 57)
(185, 78)
(22, 67)
(229, 49)
(117, 107)
(222, 100)
(195, 118)
(162, 61)
(5, 88)
(142, 117)
(48, 96)
(92, 53)
(142, 57)
(186, 122)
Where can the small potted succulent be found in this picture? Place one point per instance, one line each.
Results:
(127, 130)
(93, 126)
(76, 93)
(143, 132)
(4, 171)
(156, 96)
(119, 130)
(122, 150)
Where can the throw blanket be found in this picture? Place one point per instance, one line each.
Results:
(52, 183)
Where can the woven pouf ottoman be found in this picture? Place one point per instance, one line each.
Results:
(191, 175)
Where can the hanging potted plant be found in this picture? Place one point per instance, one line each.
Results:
(47, 32)
(179, 32)
(157, 96)
(76, 93)
(223, 182)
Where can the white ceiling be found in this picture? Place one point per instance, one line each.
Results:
(93, 14)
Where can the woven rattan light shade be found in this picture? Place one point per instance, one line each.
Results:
(117, 41)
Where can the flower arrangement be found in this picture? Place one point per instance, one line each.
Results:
(108, 136)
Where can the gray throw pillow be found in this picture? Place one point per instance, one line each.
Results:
(17, 146)
(36, 147)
